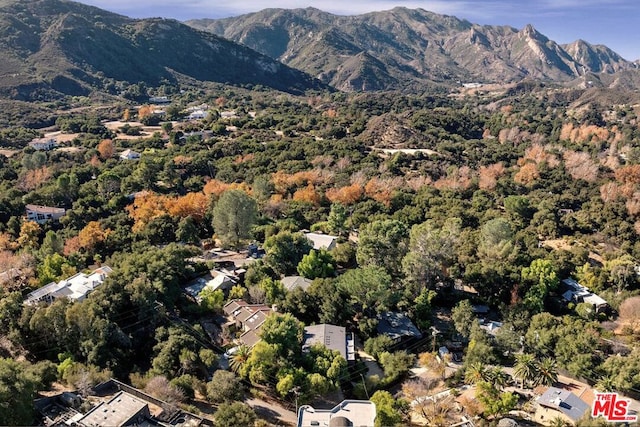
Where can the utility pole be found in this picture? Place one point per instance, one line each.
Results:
(296, 391)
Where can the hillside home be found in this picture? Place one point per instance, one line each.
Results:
(332, 337)
(42, 214)
(112, 404)
(75, 288)
(356, 413)
(197, 115)
(576, 293)
(398, 327)
(214, 280)
(249, 318)
(558, 403)
(292, 282)
(159, 100)
(43, 144)
(322, 241)
(129, 154)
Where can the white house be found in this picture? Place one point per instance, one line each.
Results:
(75, 288)
(129, 154)
(347, 413)
(322, 241)
(197, 115)
(43, 144)
(42, 214)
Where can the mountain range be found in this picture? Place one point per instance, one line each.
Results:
(403, 48)
(50, 48)
(55, 48)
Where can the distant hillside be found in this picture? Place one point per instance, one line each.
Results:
(50, 48)
(403, 48)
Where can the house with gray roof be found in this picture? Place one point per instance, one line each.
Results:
(398, 327)
(292, 282)
(332, 337)
(559, 403)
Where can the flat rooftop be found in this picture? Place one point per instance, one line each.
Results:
(355, 413)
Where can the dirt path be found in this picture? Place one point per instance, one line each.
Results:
(272, 412)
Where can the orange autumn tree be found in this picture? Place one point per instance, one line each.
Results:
(106, 149)
(346, 195)
(146, 207)
(382, 189)
(91, 235)
(191, 204)
(215, 188)
(488, 175)
(307, 194)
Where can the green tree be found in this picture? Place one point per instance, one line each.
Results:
(463, 317)
(233, 216)
(368, 288)
(19, 383)
(546, 372)
(284, 331)
(382, 243)
(317, 264)
(236, 414)
(494, 402)
(388, 409)
(212, 299)
(526, 368)
(239, 358)
(337, 219)
(224, 386)
(285, 250)
(432, 250)
(540, 277)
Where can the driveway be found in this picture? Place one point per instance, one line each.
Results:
(272, 412)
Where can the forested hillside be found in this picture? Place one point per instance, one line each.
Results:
(491, 197)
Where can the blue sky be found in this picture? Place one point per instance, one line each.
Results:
(615, 23)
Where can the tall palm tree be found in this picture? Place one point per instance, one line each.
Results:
(547, 372)
(498, 377)
(476, 372)
(606, 384)
(237, 359)
(525, 368)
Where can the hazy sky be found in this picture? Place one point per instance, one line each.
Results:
(615, 23)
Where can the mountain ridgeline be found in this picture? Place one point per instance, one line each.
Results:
(50, 48)
(404, 48)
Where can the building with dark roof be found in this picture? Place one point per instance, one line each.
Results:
(398, 327)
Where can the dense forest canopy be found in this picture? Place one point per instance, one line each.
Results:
(505, 193)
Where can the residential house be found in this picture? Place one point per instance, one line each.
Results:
(197, 115)
(356, 413)
(577, 293)
(292, 282)
(322, 241)
(249, 318)
(42, 214)
(43, 144)
(112, 404)
(214, 280)
(398, 327)
(159, 100)
(559, 403)
(331, 336)
(490, 326)
(75, 288)
(129, 154)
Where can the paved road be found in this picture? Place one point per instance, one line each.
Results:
(272, 412)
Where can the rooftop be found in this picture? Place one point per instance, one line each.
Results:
(322, 241)
(332, 337)
(76, 287)
(118, 411)
(356, 413)
(565, 402)
(397, 326)
(292, 282)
